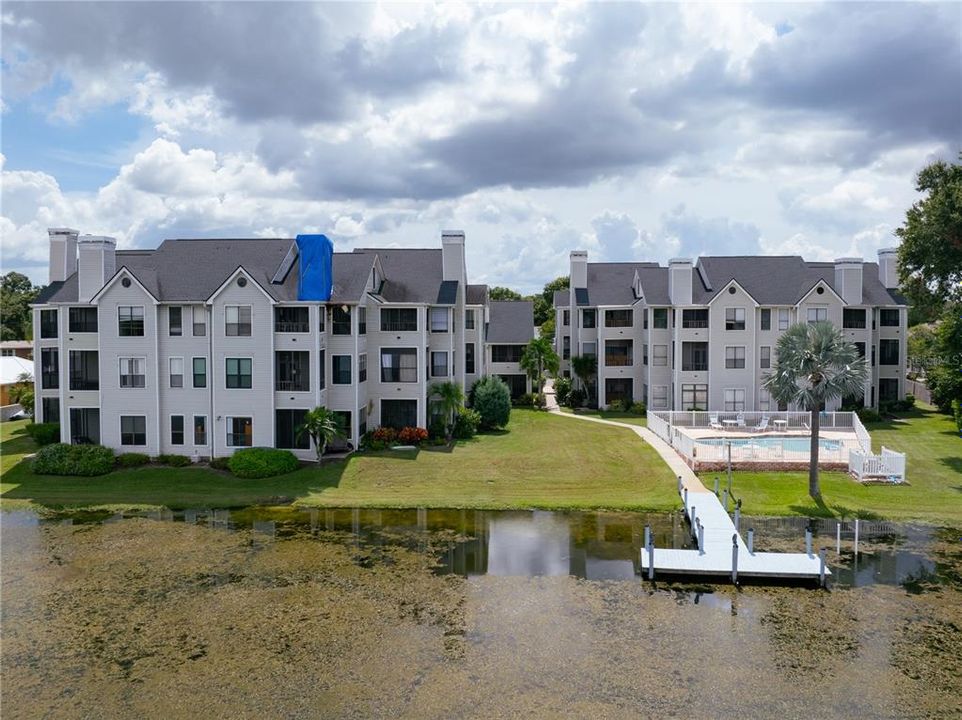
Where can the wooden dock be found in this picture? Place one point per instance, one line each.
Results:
(721, 549)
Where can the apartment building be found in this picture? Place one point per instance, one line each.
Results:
(199, 347)
(703, 334)
(510, 330)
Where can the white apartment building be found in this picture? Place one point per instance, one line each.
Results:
(703, 334)
(199, 347)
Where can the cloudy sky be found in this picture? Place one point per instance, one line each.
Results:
(632, 131)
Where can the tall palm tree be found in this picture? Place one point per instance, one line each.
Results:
(450, 398)
(539, 358)
(320, 424)
(585, 367)
(815, 364)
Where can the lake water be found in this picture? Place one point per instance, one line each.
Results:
(277, 612)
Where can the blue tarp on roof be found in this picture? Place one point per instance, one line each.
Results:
(315, 256)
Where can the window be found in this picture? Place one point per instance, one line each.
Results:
(362, 421)
(399, 365)
(51, 410)
(853, 318)
(888, 390)
(199, 368)
(341, 320)
(130, 321)
(860, 346)
(888, 317)
(588, 318)
(176, 429)
(439, 364)
(506, 353)
(589, 349)
(361, 320)
(617, 318)
(321, 371)
(618, 389)
(873, 356)
(399, 320)
(659, 318)
(660, 355)
(292, 319)
(694, 397)
(517, 384)
(341, 369)
(240, 432)
(399, 413)
(49, 369)
(469, 319)
(286, 435)
(292, 371)
(176, 366)
(694, 356)
(888, 352)
(342, 419)
(362, 368)
(321, 318)
(82, 319)
(48, 324)
(817, 314)
(85, 426)
(694, 318)
(659, 397)
(439, 319)
(199, 316)
(133, 372)
(734, 357)
(644, 354)
(618, 353)
(734, 318)
(238, 373)
(783, 319)
(133, 430)
(200, 430)
(237, 320)
(734, 399)
(84, 370)
(469, 358)
(766, 319)
(765, 357)
(764, 399)
(565, 318)
(175, 323)
(565, 347)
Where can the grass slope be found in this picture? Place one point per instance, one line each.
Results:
(540, 461)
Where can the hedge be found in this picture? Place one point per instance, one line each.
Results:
(62, 459)
(132, 459)
(44, 433)
(174, 460)
(261, 462)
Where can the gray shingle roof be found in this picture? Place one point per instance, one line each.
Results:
(511, 322)
(412, 275)
(448, 292)
(562, 298)
(476, 294)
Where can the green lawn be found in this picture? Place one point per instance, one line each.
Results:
(628, 418)
(540, 461)
(934, 450)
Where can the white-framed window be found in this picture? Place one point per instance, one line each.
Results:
(133, 429)
(240, 431)
(439, 319)
(659, 397)
(694, 396)
(200, 430)
(783, 319)
(199, 371)
(237, 320)
(130, 320)
(735, 356)
(765, 357)
(817, 314)
(659, 355)
(734, 399)
(133, 372)
(735, 318)
(362, 367)
(764, 399)
(176, 372)
(589, 348)
(176, 429)
(469, 319)
(199, 320)
(175, 321)
(439, 364)
(238, 373)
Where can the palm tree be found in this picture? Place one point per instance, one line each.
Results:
(815, 364)
(321, 425)
(538, 358)
(585, 367)
(450, 398)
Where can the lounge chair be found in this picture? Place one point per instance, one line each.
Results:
(740, 418)
(762, 425)
(713, 423)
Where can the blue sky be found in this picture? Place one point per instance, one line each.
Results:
(633, 131)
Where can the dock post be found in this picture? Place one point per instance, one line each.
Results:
(838, 538)
(694, 523)
(725, 500)
(808, 541)
(651, 559)
(751, 541)
(821, 567)
(685, 501)
(701, 538)
(679, 485)
(735, 559)
(856, 537)
(716, 486)
(647, 535)
(738, 514)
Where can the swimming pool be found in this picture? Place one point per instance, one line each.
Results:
(787, 443)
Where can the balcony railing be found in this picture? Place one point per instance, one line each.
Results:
(78, 382)
(400, 326)
(291, 327)
(292, 386)
(617, 361)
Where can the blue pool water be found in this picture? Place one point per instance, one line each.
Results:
(786, 442)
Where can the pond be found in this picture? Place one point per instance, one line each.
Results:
(448, 613)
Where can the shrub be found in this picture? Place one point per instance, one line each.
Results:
(261, 462)
(466, 424)
(957, 412)
(637, 408)
(492, 399)
(577, 398)
(866, 414)
(619, 405)
(220, 463)
(132, 459)
(438, 429)
(173, 460)
(526, 400)
(44, 433)
(562, 390)
(412, 435)
(62, 459)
